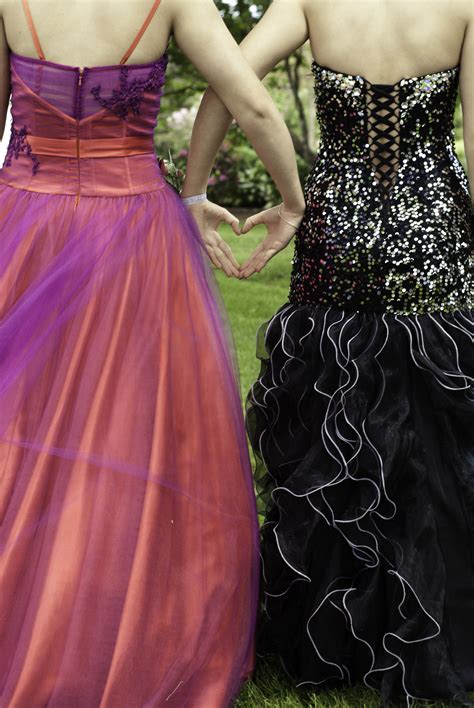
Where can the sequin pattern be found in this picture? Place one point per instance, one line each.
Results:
(18, 144)
(129, 95)
(400, 245)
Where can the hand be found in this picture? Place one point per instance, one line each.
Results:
(279, 235)
(208, 217)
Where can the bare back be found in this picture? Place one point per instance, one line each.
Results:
(85, 32)
(385, 40)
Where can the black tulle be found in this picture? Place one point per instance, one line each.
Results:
(363, 428)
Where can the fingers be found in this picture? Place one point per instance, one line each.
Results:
(228, 252)
(212, 257)
(217, 214)
(221, 254)
(253, 221)
(222, 258)
(276, 240)
(217, 249)
(232, 221)
(248, 225)
(250, 269)
(257, 261)
(228, 265)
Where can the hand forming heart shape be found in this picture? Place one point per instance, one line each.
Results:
(280, 222)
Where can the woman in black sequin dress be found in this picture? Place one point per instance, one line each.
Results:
(362, 419)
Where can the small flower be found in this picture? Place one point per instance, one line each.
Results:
(173, 174)
(163, 166)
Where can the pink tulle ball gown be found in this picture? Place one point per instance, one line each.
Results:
(129, 536)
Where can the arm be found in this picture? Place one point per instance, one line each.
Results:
(218, 58)
(467, 98)
(4, 77)
(280, 31)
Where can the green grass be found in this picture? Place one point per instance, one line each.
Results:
(249, 304)
(270, 688)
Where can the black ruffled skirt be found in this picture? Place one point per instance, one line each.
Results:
(363, 428)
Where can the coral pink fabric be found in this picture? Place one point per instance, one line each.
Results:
(129, 534)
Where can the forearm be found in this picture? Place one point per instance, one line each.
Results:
(205, 142)
(469, 149)
(281, 31)
(266, 132)
(212, 123)
(4, 79)
(271, 140)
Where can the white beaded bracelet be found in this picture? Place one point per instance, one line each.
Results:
(195, 199)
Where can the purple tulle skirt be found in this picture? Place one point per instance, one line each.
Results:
(129, 536)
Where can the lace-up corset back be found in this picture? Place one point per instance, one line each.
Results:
(387, 226)
(68, 122)
(383, 131)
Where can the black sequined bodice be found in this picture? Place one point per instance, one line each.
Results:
(387, 225)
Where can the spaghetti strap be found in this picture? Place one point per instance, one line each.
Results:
(33, 31)
(141, 32)
(127, 54)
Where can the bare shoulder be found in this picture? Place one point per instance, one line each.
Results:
(465, 6)
(11, 8)
(167, 7)
(463, 9)
(460, 9)
(292, 7)
(302, 5)
(6, 5)
(185, 7)
(312, 8)
(294, 4)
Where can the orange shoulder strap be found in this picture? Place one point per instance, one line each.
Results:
(138, 37)
(141, 31)
(33, 31)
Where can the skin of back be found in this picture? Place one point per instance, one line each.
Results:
(92, 46)
(386, 40)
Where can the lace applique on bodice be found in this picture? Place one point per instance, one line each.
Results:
(129, 95)
(73, 119)
(18, 144)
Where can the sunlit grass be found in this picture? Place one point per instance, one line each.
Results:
(251, 302)
(270, 688)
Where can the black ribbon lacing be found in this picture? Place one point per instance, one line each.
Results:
(383, 132)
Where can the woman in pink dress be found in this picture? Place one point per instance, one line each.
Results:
(129, 537)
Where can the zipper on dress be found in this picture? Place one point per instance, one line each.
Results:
(78, 151)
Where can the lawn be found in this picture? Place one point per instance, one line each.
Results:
(249, 304)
